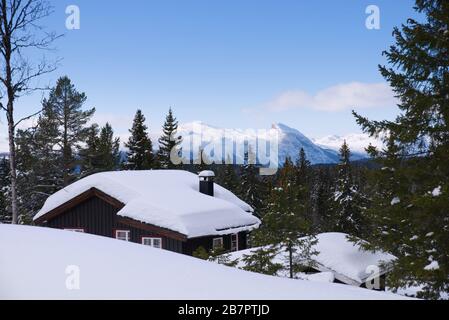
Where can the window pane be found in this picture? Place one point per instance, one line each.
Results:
(157, 243)
(122, 235)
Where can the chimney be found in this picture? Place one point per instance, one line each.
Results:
(207, 182)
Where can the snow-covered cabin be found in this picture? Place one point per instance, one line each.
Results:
(170, 209)
(348, 263)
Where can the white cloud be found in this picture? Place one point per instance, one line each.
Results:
(336, 98)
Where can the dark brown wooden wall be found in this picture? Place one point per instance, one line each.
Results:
(206, 242)
(98, 217)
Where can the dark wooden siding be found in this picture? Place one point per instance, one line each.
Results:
(98, 217)
(206, 242)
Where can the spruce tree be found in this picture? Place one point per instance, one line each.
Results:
(108, 150)
(227, 177)
(140, 147)
(321, 202)
(89, 155)
(348, 201)
(251, 187)
(169, 143)
(410, 212)
(285, 225)
(39, 163)
(5, 212)
(302, 182)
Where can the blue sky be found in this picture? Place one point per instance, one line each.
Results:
(234, 64)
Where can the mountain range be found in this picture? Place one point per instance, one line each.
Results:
(290, 141)
(318, 151)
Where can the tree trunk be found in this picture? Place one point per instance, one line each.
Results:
(12, 164)
(290, 259)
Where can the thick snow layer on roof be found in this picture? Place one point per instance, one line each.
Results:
(44, 263)
(165, 198)
(336, 254)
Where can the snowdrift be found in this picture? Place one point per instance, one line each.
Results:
(40, 263)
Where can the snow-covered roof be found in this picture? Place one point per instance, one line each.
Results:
(44, 263)
(346, 260)
(165, 198)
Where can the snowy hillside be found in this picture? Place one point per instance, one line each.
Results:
(290, 142)
(40, 263)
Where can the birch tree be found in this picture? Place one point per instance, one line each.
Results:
(21, 35)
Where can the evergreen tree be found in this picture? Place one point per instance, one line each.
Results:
(227, 177)
(5, 212)
(410, 212)
(89, 155)
(169, 143)
(39, 163)
(262, 260)
(348, 201)
(324, 219)
(302, 182)
(251, 187)
(285, 224)
(201, 162)
(140, 148)
(64, 108)
(108, 150)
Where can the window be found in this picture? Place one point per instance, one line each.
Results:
(234, 242)
(74, 230)
(152, 242)
(122, 235)
(217, 243)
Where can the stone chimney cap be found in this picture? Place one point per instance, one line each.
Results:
(206, 174)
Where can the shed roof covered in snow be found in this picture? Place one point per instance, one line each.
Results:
(165, 198)
(346, 260)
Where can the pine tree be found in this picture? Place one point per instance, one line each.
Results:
(169, 143)
(348, 201)
(108, 150)
(64, 108)
(140, 148)
(5, 212)
(410, 212)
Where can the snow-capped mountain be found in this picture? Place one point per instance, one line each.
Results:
(357, 142)
(290, 141)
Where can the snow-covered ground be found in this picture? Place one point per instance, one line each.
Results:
(41, 263)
